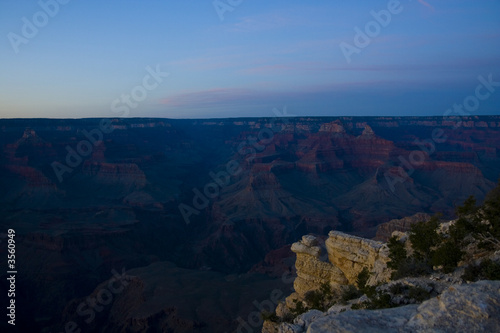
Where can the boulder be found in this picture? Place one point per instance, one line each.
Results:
(351, 254)
(471, 307)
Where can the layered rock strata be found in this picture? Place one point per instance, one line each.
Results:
(312, 272)
(351, 254)
(345, 258)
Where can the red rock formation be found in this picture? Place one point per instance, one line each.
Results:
(33, 177)
(276, 262)
(452, 167)
(333, 127)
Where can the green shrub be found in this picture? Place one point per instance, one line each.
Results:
(288, 317)
(472, 273)
(350, 293)
(402, 265)
(320, 299)
(271, 316)
(481, 222)
(491, 210)
(398, 288)
(370, 291)
(397, 253)
(447, 255)
(358, 306)
(492, 271)
(424, 237)
(411, 267)
(418, 293)
(362, 279)
(380, 300)
(299, 308)
(486, 270)
(326, 290)
(314, 299)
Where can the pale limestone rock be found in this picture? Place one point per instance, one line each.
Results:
(290, 300)
(471, 307)
(364, 321)
(290, 328)
(305, 319)
(311, 271)
(270, 327)
(444, 228)
(351, 254)
(282, 310)
(300, 247)
(401, 236)
(339, 308)
(309, 240)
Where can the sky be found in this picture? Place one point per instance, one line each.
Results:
(242, 58)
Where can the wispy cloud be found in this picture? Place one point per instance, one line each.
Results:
(323, 66)
(223, 97)
(426, 4)
(266, 22)
(209, 97)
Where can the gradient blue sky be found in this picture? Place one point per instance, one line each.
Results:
(263, 55)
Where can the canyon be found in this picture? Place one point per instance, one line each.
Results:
(201, 210)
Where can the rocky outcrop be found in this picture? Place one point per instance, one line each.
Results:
(461, 308)
(344, 259)
(364, 321)
(334, 127)
(368, 131)
(312, 272)
(351, 254)
(453, 306)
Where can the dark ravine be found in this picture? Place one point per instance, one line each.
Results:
(119, 207)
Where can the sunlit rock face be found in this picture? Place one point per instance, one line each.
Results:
(345, 258)
(351, 254)
(312, 272)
